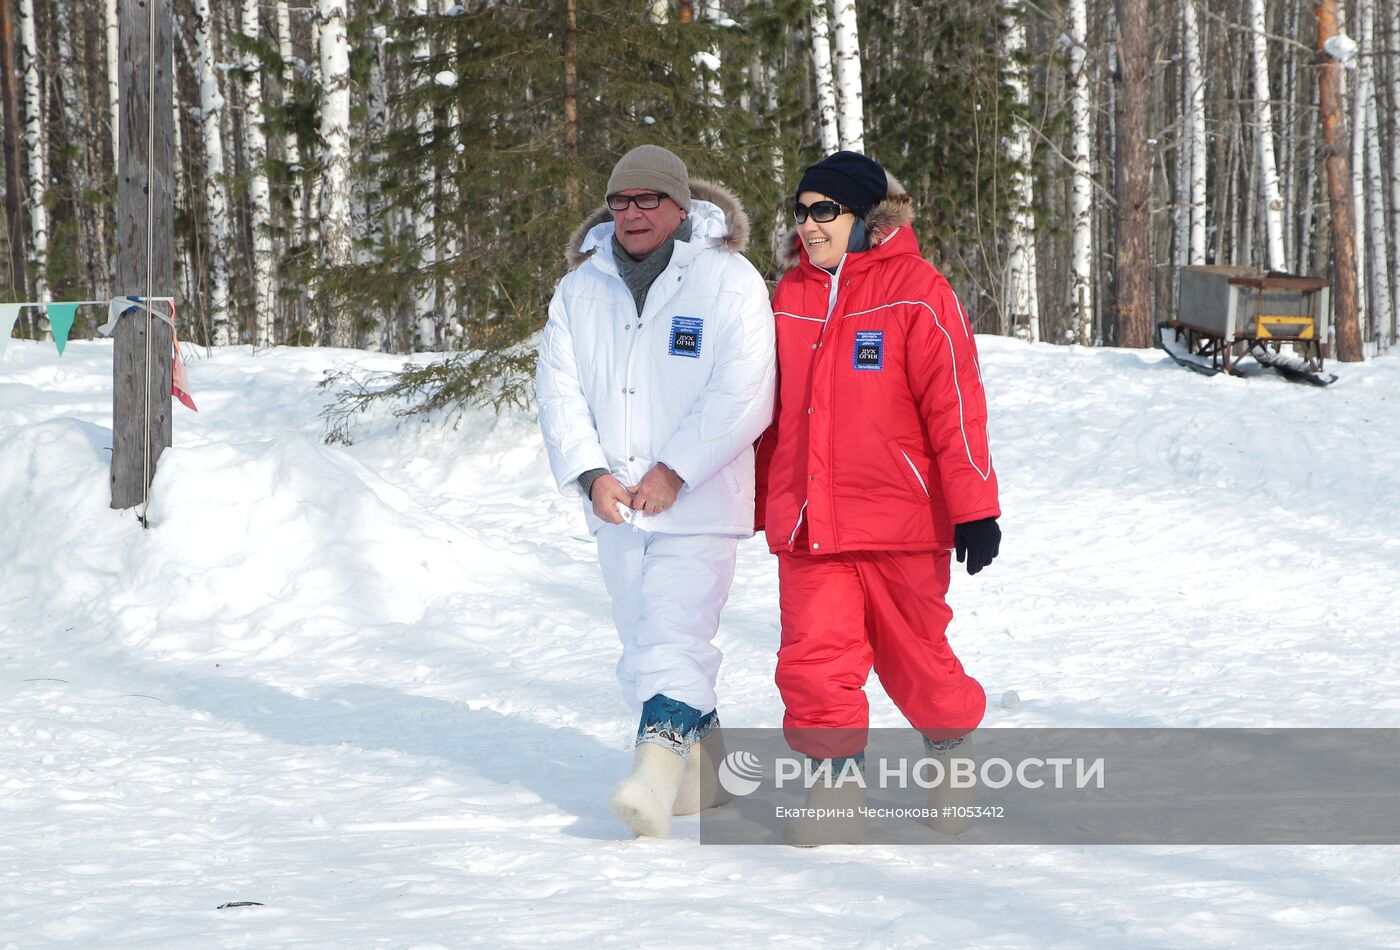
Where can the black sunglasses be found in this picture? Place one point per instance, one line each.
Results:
(647, 202)
(820, 211)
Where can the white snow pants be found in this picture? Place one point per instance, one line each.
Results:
(667, 591)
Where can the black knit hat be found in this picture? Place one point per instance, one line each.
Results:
(857, 182)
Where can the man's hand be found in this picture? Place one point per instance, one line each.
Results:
(607, 492)
(977, 542)
(657, 490)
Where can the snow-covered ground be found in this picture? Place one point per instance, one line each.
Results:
(371, 687)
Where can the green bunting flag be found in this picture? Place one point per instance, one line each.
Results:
(60, 322)
(9, 313)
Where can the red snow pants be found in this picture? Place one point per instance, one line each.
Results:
(843, 614)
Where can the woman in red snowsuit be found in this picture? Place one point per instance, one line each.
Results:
(876, 465)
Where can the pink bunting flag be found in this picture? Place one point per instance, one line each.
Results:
(179, 380)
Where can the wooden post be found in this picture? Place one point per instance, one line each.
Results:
(132, 468)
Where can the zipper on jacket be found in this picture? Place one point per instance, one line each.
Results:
(792, 538)
(915, 470)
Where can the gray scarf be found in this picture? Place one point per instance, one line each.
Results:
(639, 275)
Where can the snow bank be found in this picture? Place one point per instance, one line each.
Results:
(371, 687)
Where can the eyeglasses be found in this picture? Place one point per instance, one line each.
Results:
(647, 202)
(820, 211)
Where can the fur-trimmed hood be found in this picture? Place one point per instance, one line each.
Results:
(733, 234)
(895, 210)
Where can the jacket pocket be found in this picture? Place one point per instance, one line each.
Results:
(911, 468)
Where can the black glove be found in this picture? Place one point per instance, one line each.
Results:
(977, 543)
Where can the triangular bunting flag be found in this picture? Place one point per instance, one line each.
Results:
(9, 313)
(60, 322)
(179, 381)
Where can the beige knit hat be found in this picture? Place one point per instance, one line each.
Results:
(653, 167)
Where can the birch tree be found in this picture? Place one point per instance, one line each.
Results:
(826, 87)
(1022, 302)
(336, 237)
(1357, 118)
(851, 121)
(255, 144)
(1367, 117)
(1394, 111)
(36, 143)
(425, 296)
(286, 53)
(1082, 185)
(211, 107)
(1263, 113)
(113, 78)
(1196, 104)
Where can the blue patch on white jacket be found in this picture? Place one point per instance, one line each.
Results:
(686, 336)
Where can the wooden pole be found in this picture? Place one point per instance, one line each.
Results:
(145, 247)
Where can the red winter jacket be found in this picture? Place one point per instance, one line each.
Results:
(879, 439)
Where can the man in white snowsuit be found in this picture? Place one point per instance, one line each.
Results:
(655, 376)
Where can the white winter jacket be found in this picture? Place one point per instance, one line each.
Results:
(687, 382)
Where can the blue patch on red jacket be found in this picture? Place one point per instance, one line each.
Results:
(686, 336)
(870, 350)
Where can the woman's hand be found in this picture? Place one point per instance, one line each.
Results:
(977, 543)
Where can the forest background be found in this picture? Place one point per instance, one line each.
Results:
(402, 175)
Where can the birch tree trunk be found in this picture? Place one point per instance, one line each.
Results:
(1196, 135)
(826, 88)
(1344, 298)
(851, 122)
(293, 152)
(255, 142)
(453, 235)
(376, 126)
(1357, 118)
(1264, 117)
(336, 238)
(113, 79)
(1082, 186)
(1367, 116)
(1022, 300)
(1134, 178)
(211, 106)
(1394, 19)
(36, 142)
(711, 64)
(425, 300)
(311, 151)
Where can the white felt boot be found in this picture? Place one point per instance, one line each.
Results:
(944, 795)
(844, 821)
(642, 801)
(700, 787)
